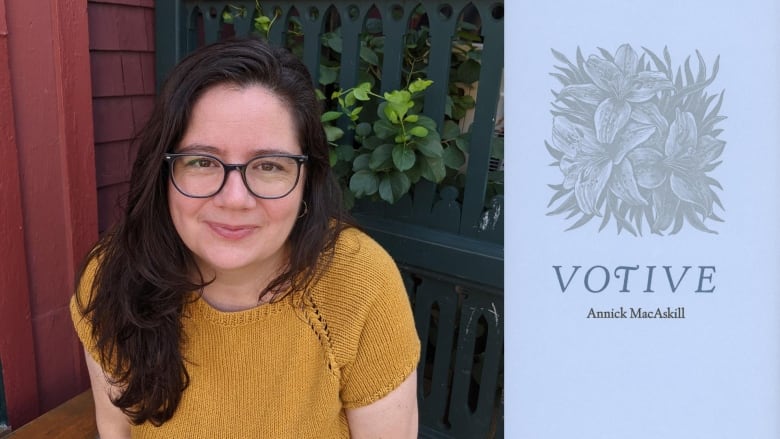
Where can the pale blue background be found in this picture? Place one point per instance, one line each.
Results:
(715, 374)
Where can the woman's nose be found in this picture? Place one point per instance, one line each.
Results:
(234, 192)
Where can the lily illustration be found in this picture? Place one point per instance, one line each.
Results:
(591, 166)
(686, 159)
(616, 85)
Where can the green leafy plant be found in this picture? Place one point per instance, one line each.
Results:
(399, 148)
(382, 144)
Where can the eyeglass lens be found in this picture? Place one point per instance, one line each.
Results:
(265, 176)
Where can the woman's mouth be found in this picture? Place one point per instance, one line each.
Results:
(231, 232)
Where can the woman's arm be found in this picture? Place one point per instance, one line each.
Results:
(111, 422)
(392, 417)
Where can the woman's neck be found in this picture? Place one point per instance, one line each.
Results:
(240, 290)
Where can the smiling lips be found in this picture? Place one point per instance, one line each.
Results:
(227, 231)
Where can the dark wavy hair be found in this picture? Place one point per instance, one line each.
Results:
(144, 272)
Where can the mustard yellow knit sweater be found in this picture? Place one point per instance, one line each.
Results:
(283, 370)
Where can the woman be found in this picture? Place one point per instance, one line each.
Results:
(242, 304)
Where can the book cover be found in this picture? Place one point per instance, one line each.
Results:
(643, 252)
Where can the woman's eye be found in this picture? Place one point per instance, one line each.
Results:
(201, 162)
(267, 166)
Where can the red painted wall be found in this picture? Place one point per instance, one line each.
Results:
(51, 222)
(76, 84)
(121, 43)
(17, 351)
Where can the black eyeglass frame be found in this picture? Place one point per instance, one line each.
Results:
(300, 159)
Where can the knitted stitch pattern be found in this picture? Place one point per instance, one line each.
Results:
(289, 369)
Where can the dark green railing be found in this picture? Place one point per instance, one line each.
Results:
(449, 244)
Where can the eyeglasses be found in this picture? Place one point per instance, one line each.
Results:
(266, 176)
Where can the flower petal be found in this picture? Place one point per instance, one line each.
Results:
(605, 74)
(648, 113)
(665, 208)
(693, 189)
(630, 137)
(571, 171)
(645, 85)
(591, 183)
(709, 149)
(571, 138)
(624, 186)
(648, 167)
(682, 135)
(626, 59)
(587, 93)
(610, 116)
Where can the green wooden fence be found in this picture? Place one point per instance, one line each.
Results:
(448, 241)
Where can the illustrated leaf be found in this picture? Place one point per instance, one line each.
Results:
(569, 204)
(561, 57)
(696, 222)
(702, 68)
(668, 58)
(584, 219)
(657, 61)
(688, 72)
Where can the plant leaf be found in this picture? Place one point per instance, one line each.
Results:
(363, 183)
(403, 157)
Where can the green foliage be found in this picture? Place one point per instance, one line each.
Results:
(396, 150)
(381, 145)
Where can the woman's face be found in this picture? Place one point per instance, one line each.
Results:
(234, 231)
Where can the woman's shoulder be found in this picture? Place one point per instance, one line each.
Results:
(356, 248)
(358, 273)
(361, 299)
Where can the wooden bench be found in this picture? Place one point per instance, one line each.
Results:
(74, 419)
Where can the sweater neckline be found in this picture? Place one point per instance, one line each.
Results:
(203, 310)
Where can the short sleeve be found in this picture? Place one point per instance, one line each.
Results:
(388, 350)
(80, 322)
(370, 320)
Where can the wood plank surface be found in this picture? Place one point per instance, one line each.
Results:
(74, 419)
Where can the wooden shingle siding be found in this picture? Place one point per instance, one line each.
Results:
(121, 43)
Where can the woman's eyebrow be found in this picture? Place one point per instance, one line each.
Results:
(209, 149)
(261, 151)
(198, 147)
